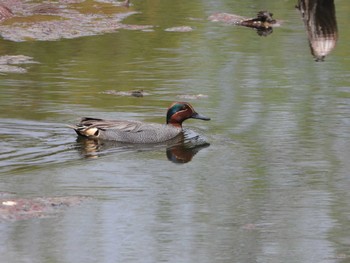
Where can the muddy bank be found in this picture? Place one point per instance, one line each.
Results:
(63, 19)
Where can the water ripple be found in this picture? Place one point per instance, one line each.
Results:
(27, 144)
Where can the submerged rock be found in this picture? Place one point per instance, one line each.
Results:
(179, 29)
(8, 63)
(132, 93)
(192, 96)
(16, 59)
(15, 209)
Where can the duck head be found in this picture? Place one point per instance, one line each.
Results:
(180, 111)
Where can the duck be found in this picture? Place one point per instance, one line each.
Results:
(129, 131)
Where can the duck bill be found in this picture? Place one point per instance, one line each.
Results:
(200, 117)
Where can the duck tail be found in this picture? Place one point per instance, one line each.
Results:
(76, 128)
(71, 126)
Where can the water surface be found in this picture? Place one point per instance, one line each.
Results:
(272, 185)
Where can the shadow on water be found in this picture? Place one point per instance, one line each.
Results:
(178, 150)
(321, 26)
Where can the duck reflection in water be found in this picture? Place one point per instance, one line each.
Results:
(321, 26)
(180, 149)
(184, 152)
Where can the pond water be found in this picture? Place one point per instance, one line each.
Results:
(272, 186)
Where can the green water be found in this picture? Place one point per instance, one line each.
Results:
(271, 187)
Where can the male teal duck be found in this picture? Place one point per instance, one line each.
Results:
(136, 131)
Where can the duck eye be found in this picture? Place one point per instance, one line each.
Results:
(184, 107)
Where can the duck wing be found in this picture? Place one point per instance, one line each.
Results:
(125, 131)
(91, 127)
